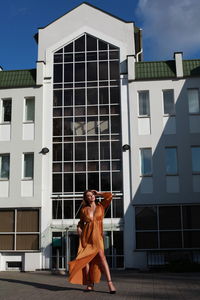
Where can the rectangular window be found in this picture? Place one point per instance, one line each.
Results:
(28, 164)
(144, 108)
(193, 101)
(195, 159)
(167, 227)
(168, 102)
(6, 105)
(29, 109)
(19, 229)
(146, 161)
(4, 166)
(171, 161)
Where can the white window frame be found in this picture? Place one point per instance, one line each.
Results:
(25, 111)
(5, 178)
(23, 165)
(148, 103)
(2, 112)
(150, 174)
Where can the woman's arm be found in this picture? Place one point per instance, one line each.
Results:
(80, 225)
(107, 198)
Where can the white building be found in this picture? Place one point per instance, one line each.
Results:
(92, 115)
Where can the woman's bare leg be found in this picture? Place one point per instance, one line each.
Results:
(87, 273)
(106, 270)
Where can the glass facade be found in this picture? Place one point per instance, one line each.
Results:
(86, 137)
(86, 117)
(167, 227)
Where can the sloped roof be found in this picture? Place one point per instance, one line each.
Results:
(90, 5)
(165, 69)
(17, 78)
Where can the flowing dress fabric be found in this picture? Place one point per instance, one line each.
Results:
(90, 242)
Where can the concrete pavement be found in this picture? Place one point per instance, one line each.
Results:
(131, 285)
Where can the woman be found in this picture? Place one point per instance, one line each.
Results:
(90, 260)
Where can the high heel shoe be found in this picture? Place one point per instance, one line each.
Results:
(90, 287)
(112, 291)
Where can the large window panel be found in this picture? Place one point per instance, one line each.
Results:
(6, 110)
(68, 72)
(93, 181)
(68, 183)
(57, 209)
(7, 221)
(91, 43)
(79, 126)
(117, 181)
(58, 73)
(170, 239)
(29, 109)
(6, 242)
(92, 125)
(91, 71)
(103, 96)
(193, 101)
(57, 98)
(171, 161)
(195, 159)
(169, 217)
(68, 126)
(105, 181)
(27, 242)
(114, 95)
(144, 107)
(92, 96)
(68, 209)
(79, 72)
(68, 152)
(146, 161)
(93, 151)
(104, 150)
(146, 240)
(27, 221)
(103, 70)
(104, 125)
(4, 166)
(80, 151)
(146, 218)
(192, 239)
(118, 210)
(68, 97)
(57, 152)
(191, 217)
(57, 127)
(57, 183)
(80, 44)
(28, 165)
(114, 70)
(168, 102)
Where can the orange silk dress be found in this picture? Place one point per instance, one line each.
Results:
(90, 242)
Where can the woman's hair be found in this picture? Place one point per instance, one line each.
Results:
(85, 200)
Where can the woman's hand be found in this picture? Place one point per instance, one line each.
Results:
(96, 193)
(79, 231)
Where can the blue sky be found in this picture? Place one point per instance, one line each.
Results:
(168, 26)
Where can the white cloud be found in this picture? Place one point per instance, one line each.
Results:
(170, 26)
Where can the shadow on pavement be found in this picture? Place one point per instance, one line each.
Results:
(40, 285)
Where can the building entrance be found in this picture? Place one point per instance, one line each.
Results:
(65, 247)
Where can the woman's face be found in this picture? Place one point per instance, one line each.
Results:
(90, 197)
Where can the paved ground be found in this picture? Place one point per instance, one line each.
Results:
(130, 285)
